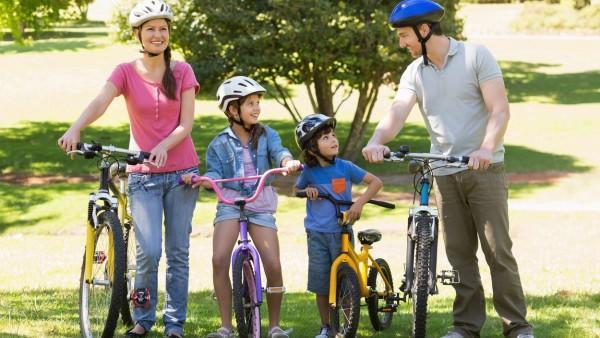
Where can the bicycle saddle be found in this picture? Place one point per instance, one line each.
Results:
(369, 236)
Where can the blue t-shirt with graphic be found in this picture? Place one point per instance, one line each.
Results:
(335, 180)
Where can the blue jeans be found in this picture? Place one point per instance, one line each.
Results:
(151, 196)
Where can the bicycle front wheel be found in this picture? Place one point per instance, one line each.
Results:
(380, 302)
(345, 315)
(245, 298)
(101, 296)
(130, 255)
(420, 290)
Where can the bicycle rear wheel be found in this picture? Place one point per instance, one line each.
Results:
(100, 297)
(380, 303)
(420, 290)
(345, 315)
(130, 255)
(245, 299)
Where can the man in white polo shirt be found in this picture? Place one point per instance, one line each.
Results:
(461, 95)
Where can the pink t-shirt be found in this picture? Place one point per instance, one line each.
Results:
(153, 116)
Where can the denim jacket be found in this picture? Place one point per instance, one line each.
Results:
(224, 157)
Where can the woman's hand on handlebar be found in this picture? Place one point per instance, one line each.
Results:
(68, 142)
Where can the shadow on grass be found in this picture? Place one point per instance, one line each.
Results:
(526, 82)
(54, 313)
(30, 148)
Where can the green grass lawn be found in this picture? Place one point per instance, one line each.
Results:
(53, 313)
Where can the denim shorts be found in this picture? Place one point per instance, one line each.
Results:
(226, 212)
(323, 249)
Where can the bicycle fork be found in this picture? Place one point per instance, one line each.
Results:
(447, 277)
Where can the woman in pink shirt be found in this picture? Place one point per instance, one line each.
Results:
(159, 94)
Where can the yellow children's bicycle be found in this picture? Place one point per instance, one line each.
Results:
(108, 269)
(357, 274)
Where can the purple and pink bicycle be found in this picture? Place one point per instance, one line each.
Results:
(245, 259)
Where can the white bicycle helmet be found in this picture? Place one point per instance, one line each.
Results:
(310, 125)
(149, 10)
(235, 88)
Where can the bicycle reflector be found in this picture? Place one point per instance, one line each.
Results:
(141, 298)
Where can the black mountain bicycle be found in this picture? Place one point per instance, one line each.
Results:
(420, 274)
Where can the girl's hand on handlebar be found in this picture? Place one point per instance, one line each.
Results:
(189, 179)
(292, 165)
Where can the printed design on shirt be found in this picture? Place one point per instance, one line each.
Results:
(338, 185)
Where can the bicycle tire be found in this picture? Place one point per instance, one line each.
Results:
(380, 319)
(347, 299)
(420, 290)
(245, 302)
(127, 315)
(100, 301)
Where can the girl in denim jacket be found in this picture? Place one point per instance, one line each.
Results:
(245, 148)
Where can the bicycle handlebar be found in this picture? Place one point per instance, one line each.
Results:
(262, 178)
(90, 150)
(302, 194)
(402, 155)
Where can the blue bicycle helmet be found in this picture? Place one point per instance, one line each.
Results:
(411, 13)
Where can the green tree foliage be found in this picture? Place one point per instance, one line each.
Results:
(332, 48)
(17, 15)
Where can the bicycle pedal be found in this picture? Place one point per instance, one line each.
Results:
(390, 308)
(449, 277)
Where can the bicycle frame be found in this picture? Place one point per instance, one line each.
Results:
(423, 167)
(102, 199)
(358, 262)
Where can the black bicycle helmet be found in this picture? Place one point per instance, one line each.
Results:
(310, 125)
(411, 13)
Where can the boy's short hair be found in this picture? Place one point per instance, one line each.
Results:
(312, 145)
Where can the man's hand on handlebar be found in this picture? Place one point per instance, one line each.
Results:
(374, 153)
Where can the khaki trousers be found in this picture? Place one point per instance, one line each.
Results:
(473, 206)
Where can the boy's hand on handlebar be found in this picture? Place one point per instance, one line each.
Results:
(374, 152)
(292, 165)
(480, 159)
(312, 193)
(354, 212)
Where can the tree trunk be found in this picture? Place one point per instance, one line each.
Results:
(323, 92)
(364, 108)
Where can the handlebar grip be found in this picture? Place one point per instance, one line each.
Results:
(383, 204)
(145, 154)
(301, 194)
(464, 159)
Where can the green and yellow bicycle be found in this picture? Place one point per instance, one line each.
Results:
(108, 269)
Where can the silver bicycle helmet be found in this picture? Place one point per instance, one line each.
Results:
(149, 10)
(236, 88)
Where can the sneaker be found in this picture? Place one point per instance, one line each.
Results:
(221, 333)
(453, 334)
(525, 335)
(277, 332)
(326, 332)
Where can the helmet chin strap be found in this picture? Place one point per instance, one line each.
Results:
(423, 41)
(239, 120)
(150, 54)
(319, 155)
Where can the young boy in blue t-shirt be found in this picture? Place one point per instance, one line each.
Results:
(325, 173)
